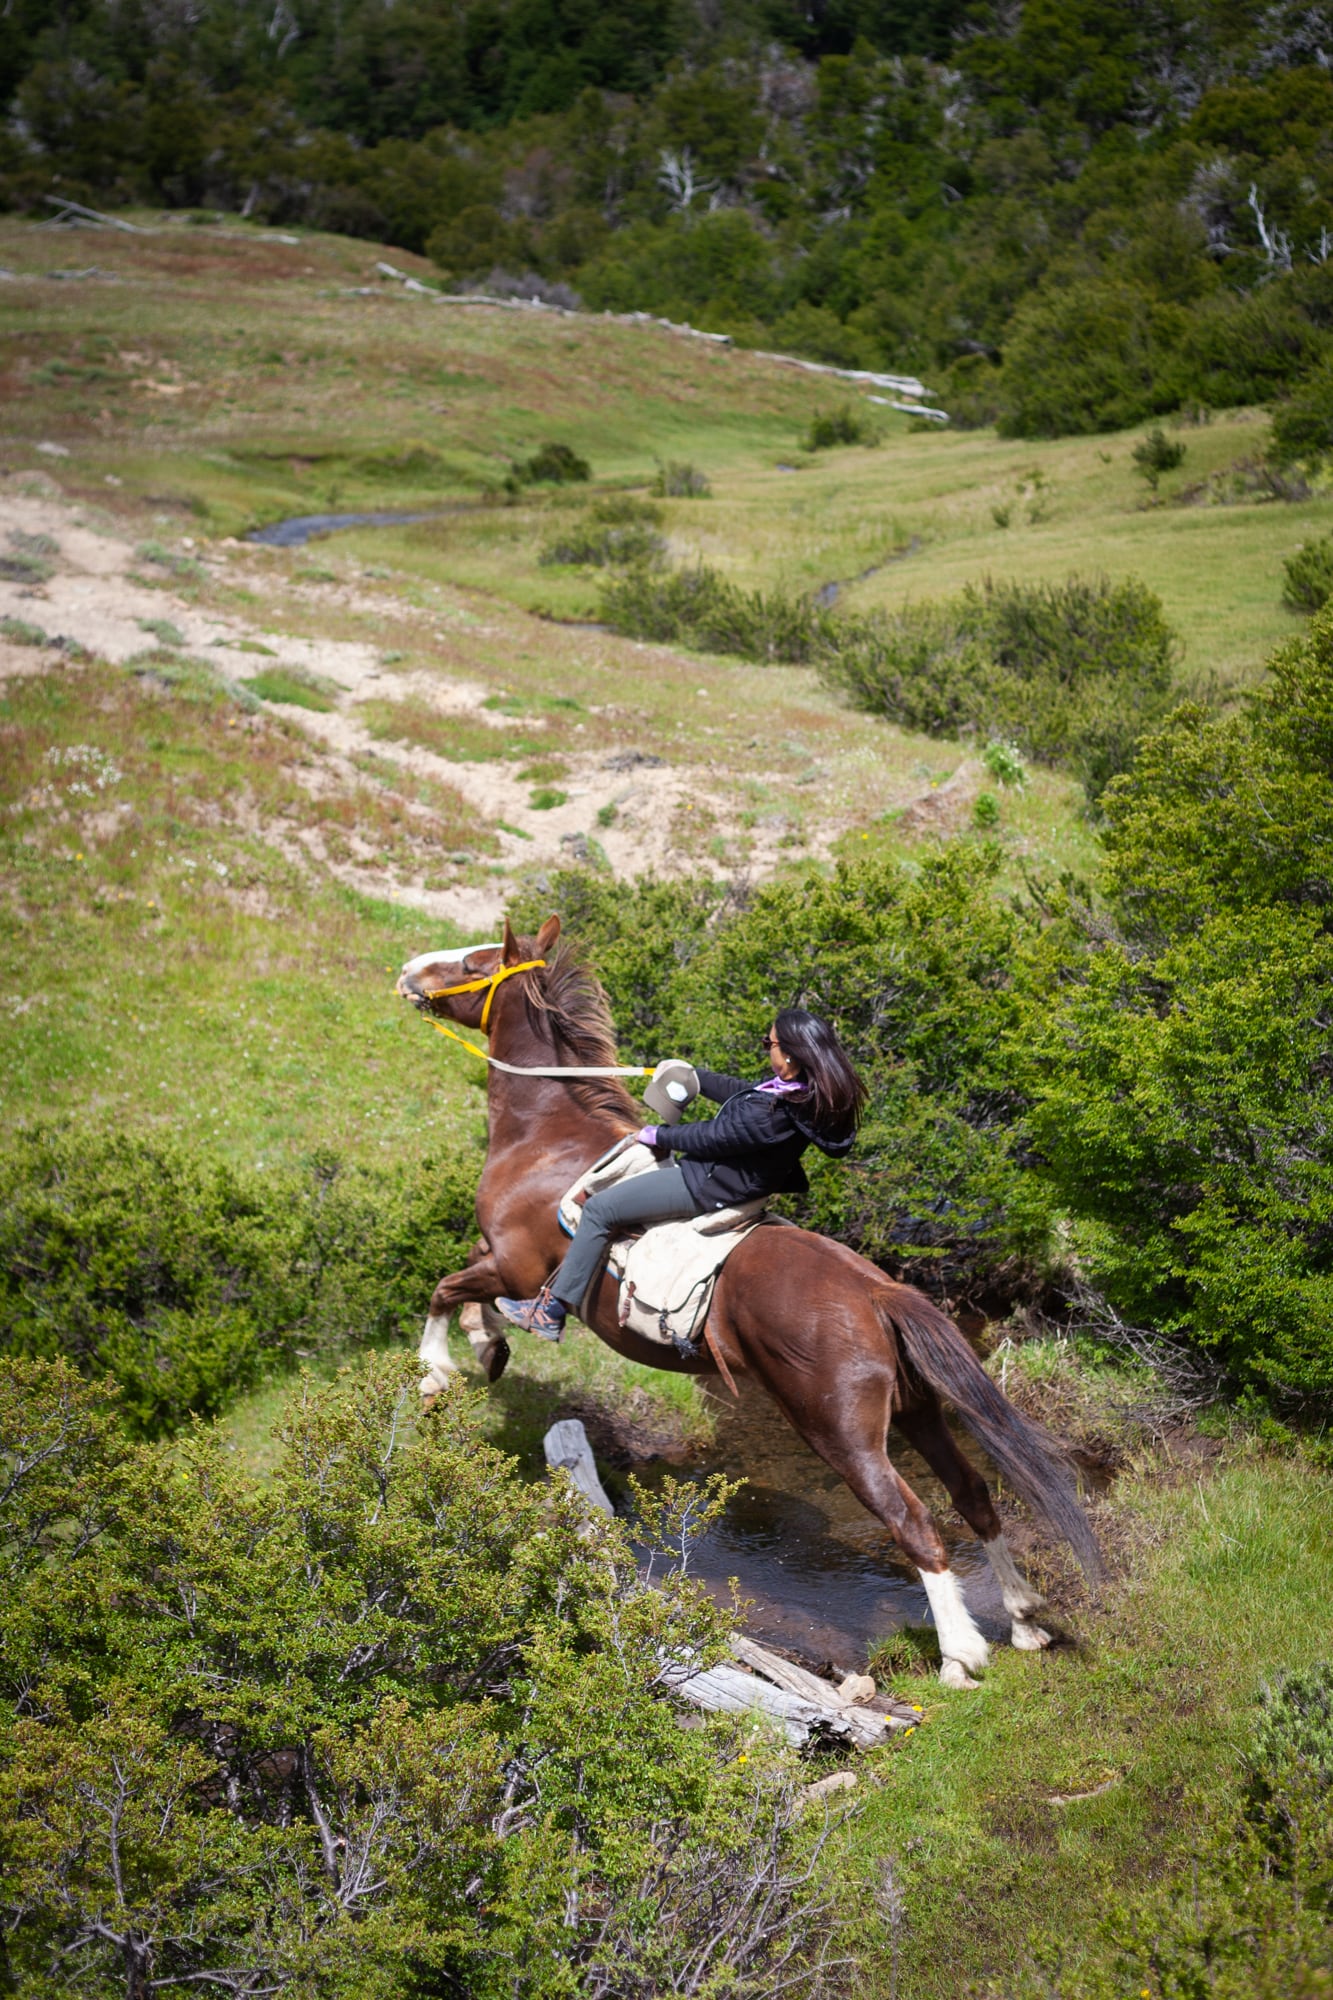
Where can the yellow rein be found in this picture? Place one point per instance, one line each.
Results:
(492, 980)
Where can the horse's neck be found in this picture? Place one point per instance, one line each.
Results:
(520, 1109)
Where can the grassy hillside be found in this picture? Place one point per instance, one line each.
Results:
(263, 778)
(230, 379)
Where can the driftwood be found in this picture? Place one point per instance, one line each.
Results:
(804, 1704)
(566, 1444)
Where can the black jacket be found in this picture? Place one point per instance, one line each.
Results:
(752, 1147)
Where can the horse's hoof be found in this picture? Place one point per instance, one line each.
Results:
(1028, 1638)
(427, 1403)
(953, 1674)
(494, 1358)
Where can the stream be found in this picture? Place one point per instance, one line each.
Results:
(825, 1579)
(299, 529)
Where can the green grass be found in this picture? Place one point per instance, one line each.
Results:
(1227, 1582)
(265, 349)
(165, 969)
(283, 684)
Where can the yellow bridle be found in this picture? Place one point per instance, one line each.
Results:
(493, 980)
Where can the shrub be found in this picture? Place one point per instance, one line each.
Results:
(845, 425)
(1289, 1767)
(1309, 576)
(1155, 454)
(614, 534)
(1230, 813)
(1303, 427)
(185, 1278)
(1004, 762)
(679, 480)
(1087, 356)
(554, 465)
(1073, 673)
(389, 1721)
(1182, 1079)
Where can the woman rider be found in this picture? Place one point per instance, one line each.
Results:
(751, 1148)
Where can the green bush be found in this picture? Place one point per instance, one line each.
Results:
(679, 480)
(1087, 356)
(1071, 673)
(185, 1278)
(1303, 427)
(1290, 1764)
(1309, 576)
(389, 1722)
(1182, 1079)
(553, 465)
(614, 534)
(1155, 454)
(845, 425)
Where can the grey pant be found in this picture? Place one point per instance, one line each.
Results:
(661, 1196)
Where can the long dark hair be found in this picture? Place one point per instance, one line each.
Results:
(833, 1091)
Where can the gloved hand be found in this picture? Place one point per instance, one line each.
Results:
(648, 1137)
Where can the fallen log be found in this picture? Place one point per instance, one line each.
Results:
(75, 214)
(566, 1444)
(805, 1704)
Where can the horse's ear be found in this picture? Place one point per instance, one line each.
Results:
(510, 953)
(547, 936)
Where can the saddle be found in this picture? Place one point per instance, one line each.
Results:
(667, 1273)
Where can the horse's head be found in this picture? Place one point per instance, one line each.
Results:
(460, 985)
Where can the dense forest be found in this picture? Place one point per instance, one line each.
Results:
(1065, 218)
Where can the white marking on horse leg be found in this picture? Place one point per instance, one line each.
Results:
(1020, 1599)
(435, 1357)
(1027, 1638)
(962, 1648)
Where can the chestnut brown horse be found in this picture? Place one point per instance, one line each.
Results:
(841, 1348)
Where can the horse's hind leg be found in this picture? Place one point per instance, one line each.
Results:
(923, 1425)
(849, 1435)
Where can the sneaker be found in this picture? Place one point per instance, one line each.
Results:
(543, 1315)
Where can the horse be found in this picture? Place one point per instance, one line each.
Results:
(842, 1349)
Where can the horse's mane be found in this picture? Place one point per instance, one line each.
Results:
(578, 1019)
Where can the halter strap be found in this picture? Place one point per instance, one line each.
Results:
(491, 979)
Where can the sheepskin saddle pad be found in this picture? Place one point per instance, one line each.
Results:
(667, 1273)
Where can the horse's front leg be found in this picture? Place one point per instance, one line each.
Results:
(477, 1285)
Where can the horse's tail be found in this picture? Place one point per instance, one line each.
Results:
(1027, 1456)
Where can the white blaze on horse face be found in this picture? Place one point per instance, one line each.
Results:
(962, 1647)
(441, 957)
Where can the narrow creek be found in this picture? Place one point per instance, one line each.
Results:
(824, 1578)
(298, 529)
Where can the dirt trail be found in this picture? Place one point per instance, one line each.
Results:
(92, 587)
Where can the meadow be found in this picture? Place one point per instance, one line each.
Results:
(209, 881)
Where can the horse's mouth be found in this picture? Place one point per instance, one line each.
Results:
(407, 989)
